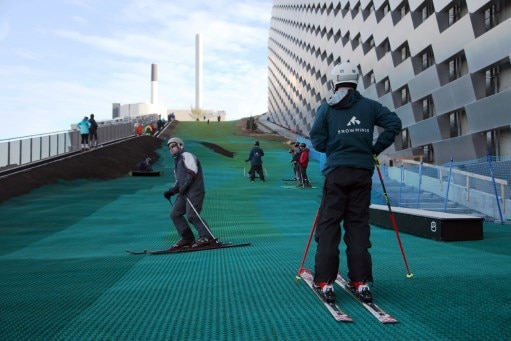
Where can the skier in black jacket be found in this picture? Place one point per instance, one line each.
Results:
(343, 129)
(256, 161)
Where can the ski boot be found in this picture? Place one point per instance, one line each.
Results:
(203, 241)
(182, 244)
(326, 291)
(362, 291)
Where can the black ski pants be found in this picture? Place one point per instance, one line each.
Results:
(258, 169)
(346, 198)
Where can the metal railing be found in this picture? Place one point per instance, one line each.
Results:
(20, 151)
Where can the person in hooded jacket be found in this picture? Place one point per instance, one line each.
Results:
(190, 190)
(343, 129)
(84, 127)
(303, 162)
(256, 161)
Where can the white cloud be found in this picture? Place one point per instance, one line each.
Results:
(76, 57)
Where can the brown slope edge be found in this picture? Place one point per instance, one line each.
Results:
(217, 149)
(108, 162)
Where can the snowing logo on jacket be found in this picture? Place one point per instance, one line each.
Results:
(353, 121)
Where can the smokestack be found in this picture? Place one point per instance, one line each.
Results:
(198, 72)
(154, 84)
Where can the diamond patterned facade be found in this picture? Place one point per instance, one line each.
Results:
(442, 66)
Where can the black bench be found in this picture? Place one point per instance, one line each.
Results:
(430, 224)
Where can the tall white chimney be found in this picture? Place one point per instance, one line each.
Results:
(198, 72)
(154, 84)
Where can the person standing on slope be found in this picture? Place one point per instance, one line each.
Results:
(343, 129)
(256, 161)
(190, 191)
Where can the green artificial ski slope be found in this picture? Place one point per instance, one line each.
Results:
(65, 274)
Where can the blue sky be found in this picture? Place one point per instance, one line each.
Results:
(63, 59)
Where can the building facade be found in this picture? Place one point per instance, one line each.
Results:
(443, 66)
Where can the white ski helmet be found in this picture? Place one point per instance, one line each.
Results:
(176, 140)
(343, 73)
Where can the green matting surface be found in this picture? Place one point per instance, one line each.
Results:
(65, 274)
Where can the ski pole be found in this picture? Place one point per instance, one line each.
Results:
(307, 247)
(301, 176)
(200, 218)
(392, 218)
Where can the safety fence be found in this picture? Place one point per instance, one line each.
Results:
(478, 187)
(15, 152)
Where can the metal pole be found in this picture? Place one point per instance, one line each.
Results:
(200, 218)
(420, 183)
(448, 186)
(495, 189)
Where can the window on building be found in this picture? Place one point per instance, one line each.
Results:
(369, 79)
(427, 10)
(385, 8)
(382, 87)
(427, 58)
(368, 45)
(429, 156)
(454, 12)
(404, 10)
(405, 52)
(491, 142)
(454, 69)
(405, 139)
(383, 49)
(455, 123)
(492, 80)
(400, 12)
(383, 11)
(368, 11)
(345, 39)
(490, 16)
(386, 86)
(356, 41)
(405, 95)
(428, 109)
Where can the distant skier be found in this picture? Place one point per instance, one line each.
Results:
(256, 161)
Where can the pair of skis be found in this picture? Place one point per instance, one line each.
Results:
(215, 245)
(335, 311)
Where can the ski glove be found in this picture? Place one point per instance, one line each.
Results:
(375, 151)
(167, 194)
